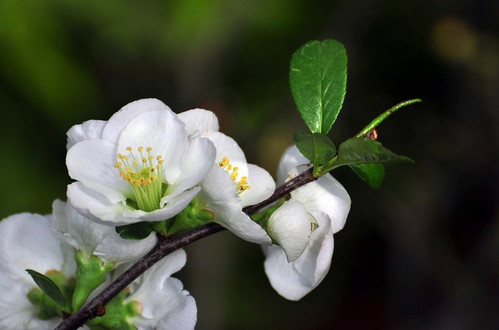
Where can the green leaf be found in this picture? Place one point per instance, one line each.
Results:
(48, 286)
(139, 230)
(356, 151)
(318, 148)
(372, 173)
(318, 77)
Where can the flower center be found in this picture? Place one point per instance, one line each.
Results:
(143, 171)
(242, 184)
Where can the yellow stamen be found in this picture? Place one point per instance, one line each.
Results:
(233, 171)
(144, 176)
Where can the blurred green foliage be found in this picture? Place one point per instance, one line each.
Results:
(421, 252)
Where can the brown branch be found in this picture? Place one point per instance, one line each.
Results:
(165, 246)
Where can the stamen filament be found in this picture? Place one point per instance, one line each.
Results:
(145, 177)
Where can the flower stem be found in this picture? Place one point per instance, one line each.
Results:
(378, 120)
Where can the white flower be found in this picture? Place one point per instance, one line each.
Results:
(26, 242)
(232, 183)
(162, 302)
(137, 166)
(96, 239)
(328, 202)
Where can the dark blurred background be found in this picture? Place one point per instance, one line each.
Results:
(419, 253)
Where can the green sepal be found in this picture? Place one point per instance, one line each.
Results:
(357, 151)
(135, 231)
(318, 77)
(372, 174)
(48, 286)
(316, 147)
(189, 218)
(90, 273)
(48, 308)
(117, 315)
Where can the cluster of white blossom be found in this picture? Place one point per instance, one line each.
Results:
(147, 164)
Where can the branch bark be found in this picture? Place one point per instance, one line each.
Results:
(165, 246)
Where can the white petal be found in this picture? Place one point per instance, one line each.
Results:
(218, 187)
(165, 304)
(76, 230)
(290, 227)
(315, 261)
(91, 129)
(240, 223)
(296, 279)
(182, 308)
(219, 195)
(328, 196)
(118, 250)
(163, 132)
(282, 276)
(120, 119)
(98, 209)
(17, 312)
(291, 159)
(92, 162)
(261, 184)
(201, 121)
(27, 242)
(196, 162)
(97, 239)
(94, 206)
(148, 286)
(228, 147)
